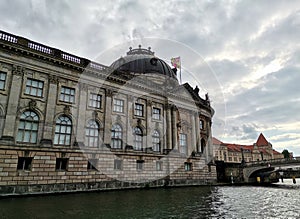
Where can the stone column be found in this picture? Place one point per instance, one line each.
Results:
(198, 138)
(130, 112)
(81, 120)
(13, 103)
(194, 138)
(47, 138)
(169, 127)
(150, 126)
(174, 129)
(107, 119)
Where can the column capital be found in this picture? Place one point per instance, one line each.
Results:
(18, 70)
(53, 79)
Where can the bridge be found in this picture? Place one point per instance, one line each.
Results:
(255, 168)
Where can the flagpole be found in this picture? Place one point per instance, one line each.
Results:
(180, 73)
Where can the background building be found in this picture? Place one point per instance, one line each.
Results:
(68, 123)
(233, 153)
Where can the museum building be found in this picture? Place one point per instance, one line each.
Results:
(71, 124)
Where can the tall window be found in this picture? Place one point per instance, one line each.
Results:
(118, 105)
(138, 138)
(63, 131)
(201, 125)
(92, 134)
(34, 87)
(67, 95)
(116, 136)
(24, 163)
(183, 143)
(2, 80)
(95, 100)
(156, 113)
(28, 127)
(156, 141)
(138, 109)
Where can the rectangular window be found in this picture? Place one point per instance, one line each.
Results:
(118, 105)
(159, 165)
(156, 113)
(61, 163)
(2, 80)
(92, 164)
(183, 143)
(138, 109)
(95, 100)
(24, 163)
(67, 95)
(140, 164)
(34, 87)
(187, 166)
(118, 164)
(201, 124)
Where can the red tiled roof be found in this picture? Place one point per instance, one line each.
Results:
(276, 152)
(216, 141)
(262, 141)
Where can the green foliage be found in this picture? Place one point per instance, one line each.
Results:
(286, 153)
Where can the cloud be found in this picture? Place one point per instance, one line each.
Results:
(252, 49)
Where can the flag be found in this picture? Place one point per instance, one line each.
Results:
(176, 62)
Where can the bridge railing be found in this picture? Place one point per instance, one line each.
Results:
(273, 161)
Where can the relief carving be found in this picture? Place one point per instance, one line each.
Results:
(18, 70)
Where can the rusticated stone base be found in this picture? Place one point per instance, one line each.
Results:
(23, 190)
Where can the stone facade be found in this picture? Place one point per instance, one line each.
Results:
(70, 124)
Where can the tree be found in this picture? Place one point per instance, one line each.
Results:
(286, 153)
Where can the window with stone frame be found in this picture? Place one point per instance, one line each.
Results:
(156, 141)
(24, 163)
(28, 127)
(95, 100)
(34, 87)
(116, 136)
(63, 130)
(201, 124)
(92, 134)
(159, 165)
(138, 138)
(67, 94)
(140, 165)
(118, 105)
(61, 164)
(156, 113)
(183, 143)
(138, 109)
(118, 164)
(187, 166)
(3, 76)
(92, 164)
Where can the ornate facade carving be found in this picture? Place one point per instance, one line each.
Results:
(53, 79)
(18, 70)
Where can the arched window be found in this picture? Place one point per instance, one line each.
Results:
(28, 127)
(156, 141)
(92, 134)
(116, 136)
(63, 131)
(138, 138)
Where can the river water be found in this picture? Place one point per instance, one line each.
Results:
(189, 202)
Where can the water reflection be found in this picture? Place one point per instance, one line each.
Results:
(192, 202)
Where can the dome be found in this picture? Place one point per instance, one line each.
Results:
(143, 61)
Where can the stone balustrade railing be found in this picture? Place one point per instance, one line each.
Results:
(49, 51)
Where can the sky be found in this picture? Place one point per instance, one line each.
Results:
(249, 52)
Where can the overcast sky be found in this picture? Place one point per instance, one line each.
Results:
(251, 47)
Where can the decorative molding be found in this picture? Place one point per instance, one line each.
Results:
(53, 79)
(110, 92)
(95, 114)
(32, 104)
(119, 118)
(130, 98)
(18, 70)
(149, 102)
(83, 86)
(67, 110)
